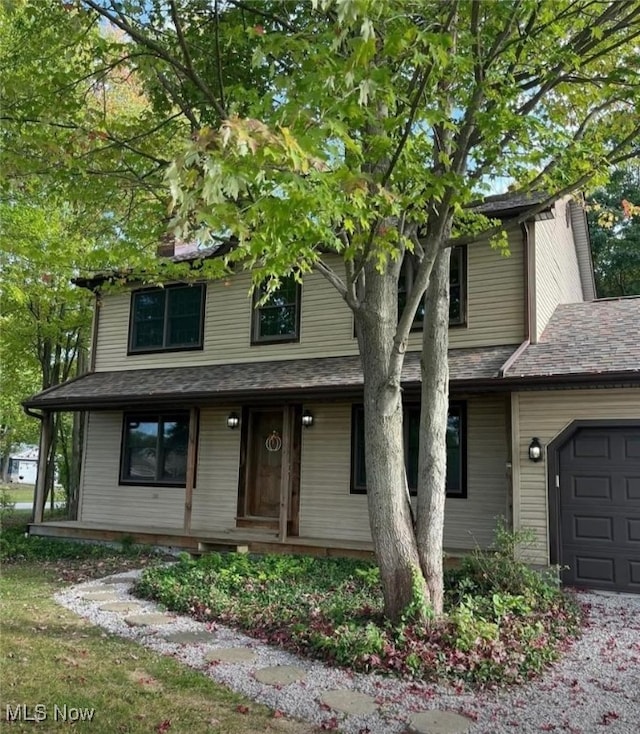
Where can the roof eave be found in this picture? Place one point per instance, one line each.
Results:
(485, 384)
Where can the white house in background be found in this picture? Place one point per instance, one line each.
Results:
(23, 465)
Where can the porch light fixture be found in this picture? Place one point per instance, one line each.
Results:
(233, 420)
(307, 419)
(535, 449)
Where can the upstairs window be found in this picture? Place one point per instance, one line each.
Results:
(278, 318)
(456, 449)
(457, 288)
(168, 318)
(154, 449)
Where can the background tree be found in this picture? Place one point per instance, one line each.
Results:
(45, 320)
(367, 130)
(614, 224)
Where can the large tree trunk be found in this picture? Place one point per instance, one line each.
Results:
(389, 511)
(432, 467)
(6, 460)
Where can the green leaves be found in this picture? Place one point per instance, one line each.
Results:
(614, 221)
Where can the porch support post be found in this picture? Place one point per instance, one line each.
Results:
(191, 467)
(46, 435)
(285, 477)
(515, 461)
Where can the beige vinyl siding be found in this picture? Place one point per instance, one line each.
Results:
(326, 329)
(495, 298)
(328, 510)
(103, 500)
(583, 249)
(495, 310)
(556, 265)
(215, 497)
(545, 415)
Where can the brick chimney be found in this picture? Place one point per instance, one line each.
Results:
(167, 245)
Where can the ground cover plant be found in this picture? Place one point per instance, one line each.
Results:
(17, 546)
(504, 622)
(51, 657)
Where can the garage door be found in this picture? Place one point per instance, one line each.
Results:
(599, 523)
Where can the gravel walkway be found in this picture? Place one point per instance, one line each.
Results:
(595, 688)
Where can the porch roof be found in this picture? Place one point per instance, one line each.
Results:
(255, 380)
(597, 338)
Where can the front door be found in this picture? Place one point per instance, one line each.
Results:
(264, 464)
(269, 487)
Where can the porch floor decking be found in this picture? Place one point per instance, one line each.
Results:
(199, 541)
(244, 540)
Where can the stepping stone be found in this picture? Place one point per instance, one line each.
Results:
(279, 675)
(188, 638)
(102, 595)
(350, 702)
(438, 722)
(121, 606)
(230, 655)
(119, 580)
(148, 620)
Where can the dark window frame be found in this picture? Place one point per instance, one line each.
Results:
(460, 406)
(459, 251)
(199, 345)
(256, 338)
(159, 417)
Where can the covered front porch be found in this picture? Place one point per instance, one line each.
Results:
(264, 467)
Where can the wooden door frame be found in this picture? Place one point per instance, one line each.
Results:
(288, 518)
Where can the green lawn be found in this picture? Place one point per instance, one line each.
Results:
(51, 657)
(19, 492)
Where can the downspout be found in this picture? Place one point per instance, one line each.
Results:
(94, 331)
(513, 412)
(528, 245)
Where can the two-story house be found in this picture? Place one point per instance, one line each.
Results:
(215, 422)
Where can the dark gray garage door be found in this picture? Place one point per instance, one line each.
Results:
(600, 508)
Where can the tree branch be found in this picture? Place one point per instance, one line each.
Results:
(264, 14)
(332, 277)
(193, 74)
(408, 125)
(177, 97)
(159, 51)
(219, 55)
(352, 293)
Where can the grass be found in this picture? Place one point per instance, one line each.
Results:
(20, 492)
(51, 657)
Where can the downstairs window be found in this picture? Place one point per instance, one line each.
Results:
(154, 449)
(456, 449)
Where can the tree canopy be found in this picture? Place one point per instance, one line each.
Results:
(614, 223)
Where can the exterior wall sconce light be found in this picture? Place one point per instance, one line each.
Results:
(307, 419)
(233, 420)
(535, 450)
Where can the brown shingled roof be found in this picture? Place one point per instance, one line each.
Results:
(254, 380)
(592, 338)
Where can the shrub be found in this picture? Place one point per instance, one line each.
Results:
(504, 622)
(7, 505)
(17, 545)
